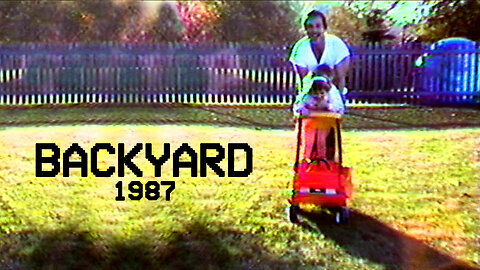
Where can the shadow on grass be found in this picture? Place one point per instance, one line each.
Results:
(197, 247)
(368, 238)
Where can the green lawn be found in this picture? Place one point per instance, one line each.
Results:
(266, 117)
(415, 202)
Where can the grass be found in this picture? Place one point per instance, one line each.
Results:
(415, 204)
(358, 118)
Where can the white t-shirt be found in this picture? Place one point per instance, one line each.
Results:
(335, 51)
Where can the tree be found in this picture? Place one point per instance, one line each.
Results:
(377, 28)
(456, 18)
(100, 21)
(167, 27)
(31, 21)
(64, 21)
(344, 23)
(376, 19)
(257, 22)
(199, 19)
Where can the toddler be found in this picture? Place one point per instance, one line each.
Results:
(318, 94)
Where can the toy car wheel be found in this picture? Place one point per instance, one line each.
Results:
(342, 216)
(293, 214)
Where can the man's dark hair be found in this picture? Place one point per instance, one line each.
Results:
(313, 14)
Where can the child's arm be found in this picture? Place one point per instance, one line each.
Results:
(300, 106)
(335, 101)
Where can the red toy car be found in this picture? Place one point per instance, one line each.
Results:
(320, 179)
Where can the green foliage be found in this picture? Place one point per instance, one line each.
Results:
(200, 20)
(25, 21)
(257, 22)
(168, 26)
(456, 18)
(62, 21)
(254, 22)
(346, 24)
(100, 21)
(376, 22)
(377, 27)
(251, 22)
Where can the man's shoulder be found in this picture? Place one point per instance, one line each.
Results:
(333, 38)
(299, 46)
(301, 42)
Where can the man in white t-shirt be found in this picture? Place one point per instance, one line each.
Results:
(318, 48)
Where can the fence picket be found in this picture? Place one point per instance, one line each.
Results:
(233, 73)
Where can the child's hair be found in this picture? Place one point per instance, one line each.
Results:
(321, 80)
(323, 70)
(320, 86)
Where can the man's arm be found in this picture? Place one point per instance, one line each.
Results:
(302, 72)
(341, 71)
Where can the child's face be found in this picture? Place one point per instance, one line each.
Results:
(320, 87)
(319, 102)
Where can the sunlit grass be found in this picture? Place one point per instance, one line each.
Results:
(421, 183)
